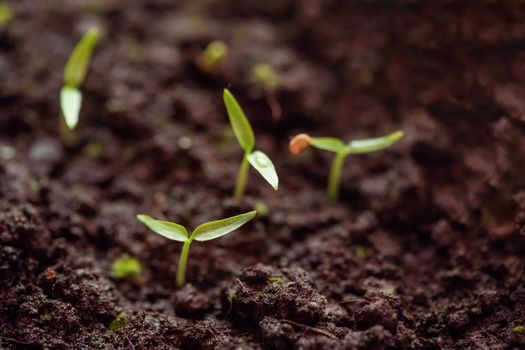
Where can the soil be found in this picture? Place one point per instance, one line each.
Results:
(424, 250)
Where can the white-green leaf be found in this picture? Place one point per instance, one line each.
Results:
(375, 144)
(240, 124)
(70, 103)
(78, 62)
(262, 163)
(328, 143)
(215, 229)
(166, 229)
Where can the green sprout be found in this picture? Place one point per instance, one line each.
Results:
(301, 142)
(244, 133)
(265, 76)
(204, 232)
(212, 56)
(126, 267)
(74, 75)
(6, 15)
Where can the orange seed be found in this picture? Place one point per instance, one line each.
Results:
(299, 143)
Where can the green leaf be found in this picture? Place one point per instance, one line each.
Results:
(240, 124)
(166, 229)
(70, 103)
(78, 62)
(375, 144)
(328, 143)
(215, 229)
(264, 166)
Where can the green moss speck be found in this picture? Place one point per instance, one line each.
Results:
(121, 321)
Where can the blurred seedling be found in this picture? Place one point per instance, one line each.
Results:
(265, 76)
(211, 58)
(74, 75)
(204, 232)
(6, 14)
(244, 134)
(126, 267)
(302, 141)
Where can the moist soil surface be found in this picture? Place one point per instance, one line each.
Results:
(424, 250)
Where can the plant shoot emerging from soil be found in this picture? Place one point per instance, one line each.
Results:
(126, 267)
(6, 15)
(74, 75)
(265, 76)
(244, 133)
(204, 232)
(212, 56)
(302, 141)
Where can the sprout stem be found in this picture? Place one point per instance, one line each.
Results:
(242, 177)
(334, 180)
(67, 135)
(181, 270)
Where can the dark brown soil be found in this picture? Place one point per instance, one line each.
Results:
(424, 251)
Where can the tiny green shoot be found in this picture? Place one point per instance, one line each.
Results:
(212, 56)
(244, 134)
(126, 267)
(6, 14)
(302, 141)
(265, 76)
(204, 232)
(74, 75)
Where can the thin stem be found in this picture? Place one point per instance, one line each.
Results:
(181, 271)
(334, 181)
(242, 177)
(68, 136)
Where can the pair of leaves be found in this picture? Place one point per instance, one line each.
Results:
(357, 146)
(204, 232)
(74, 75)
(244, 134)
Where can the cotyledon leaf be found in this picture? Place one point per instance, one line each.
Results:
(240, 124)
(215, 229)
(374, 144)
(262, 163)
(328, 143)
(166, 229)
(70, 103)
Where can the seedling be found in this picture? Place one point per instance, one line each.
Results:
(265, 76)
(244, 133)
(74, 75)
(126, 267)
(212, 56)
(302, 141)
(6, 15)
(204, 232)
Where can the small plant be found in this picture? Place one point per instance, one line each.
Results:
(212, 56)
(6, 14)
(126, 267)
(302, 141)
(265, 76)
(74, 75)
(244, 133)
(204, 232)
